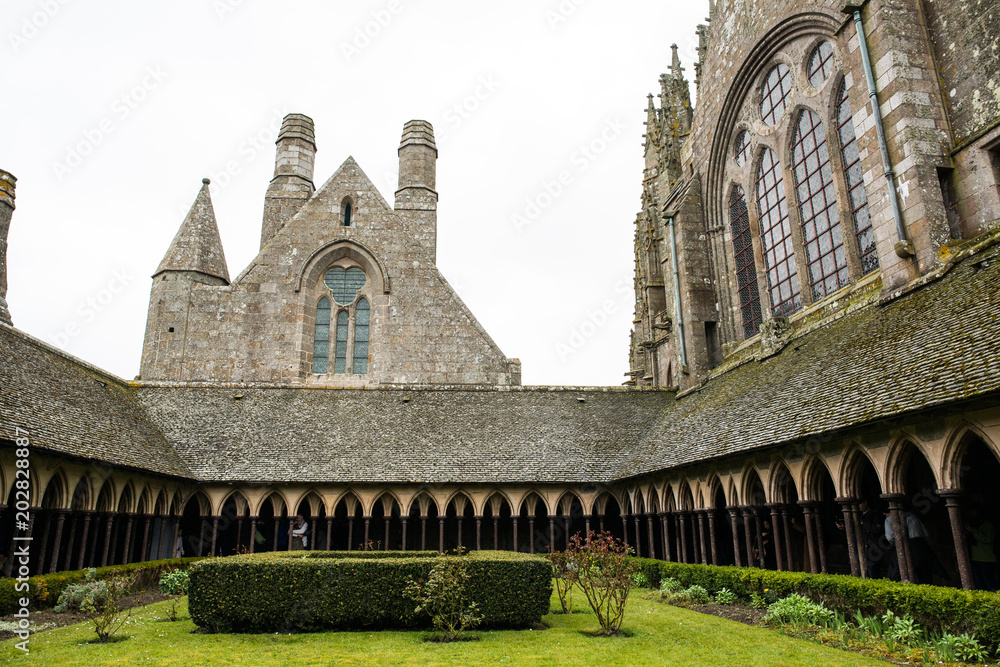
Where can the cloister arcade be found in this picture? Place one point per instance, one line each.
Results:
(794, 508)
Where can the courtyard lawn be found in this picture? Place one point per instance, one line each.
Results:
(661, 635)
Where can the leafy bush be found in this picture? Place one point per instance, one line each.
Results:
(564, 573)
(175, 583)
(670, 586)
(698, 594)
(444, 597)
(936, 608)
(80, 597)
(605, 574)
(314, 590)
(52, 585)
(108, 617)
(639, 580)
(964, 648)
(799, 610)
(725, 597)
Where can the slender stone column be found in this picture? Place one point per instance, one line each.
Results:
(239, 533)
(215, 532)
(807, 511)
(277, 526)
(847, 505)
(129, 538)
(779, 557)
(108, 539)
(625, 529)
(514, 518)
(74, 519)
(566, 526)
(496, 533)
(786, 523)
(479, 530)
(147, 520)
(459, 531)
(748, 531)
(83, 541)
(901, 535)
(734, 521)
(952, 500)
(711, 537)
(368, 522)
(441, 535)
(531, 534)
(758, 524)
(387, 519)
(253, 533)
(586, 526)
(651, 537)
(423, 533)
(57, 540)
(638, 536)
(46, 532)
(8, 567)
(684, 545)
(701, 537)
(668, 550)
(820, 537)
(404, 520)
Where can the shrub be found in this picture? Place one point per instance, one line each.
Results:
(698, 594)
(640, 580)
(445, 599)
(80, 597)
(670, 586)
(147, 574)
(604, 573)
(175, 583)
(725, 597)
(108, 617)
(291, 591)
(799, 610)
(936, 608)
(564, 573)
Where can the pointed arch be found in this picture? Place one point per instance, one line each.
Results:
(956, 446)
(782, 484)
(82, 497)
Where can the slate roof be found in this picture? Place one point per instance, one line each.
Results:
(938, 344)
(530, 435)
(197, 245)
(72, 408)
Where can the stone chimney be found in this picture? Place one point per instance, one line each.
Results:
(292, 185)
(7, 184)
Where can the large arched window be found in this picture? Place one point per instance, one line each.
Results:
(351, 319)
(746, 266)
(776, 237)
(817, 197)
(855, 182)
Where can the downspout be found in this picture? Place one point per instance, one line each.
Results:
(904, 249)
(677, 291)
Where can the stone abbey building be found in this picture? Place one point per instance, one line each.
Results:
(817, 330)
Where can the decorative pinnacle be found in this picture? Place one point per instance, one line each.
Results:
(206, 181)
(298, 126)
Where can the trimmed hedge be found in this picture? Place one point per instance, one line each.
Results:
(935, 607)
(148, 575)
(315, 590)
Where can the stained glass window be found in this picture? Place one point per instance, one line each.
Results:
(776, 237)
(821, 233)
(741, 149)
(340, 361)
(774, 96)
(820, 64)
(345, 283)
(746, 266)
(362, 315)
(321, 341)
(855, 183)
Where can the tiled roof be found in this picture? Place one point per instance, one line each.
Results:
(72, 408)
(938, 344)
(396, 435)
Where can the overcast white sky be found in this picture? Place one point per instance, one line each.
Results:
(114, 111)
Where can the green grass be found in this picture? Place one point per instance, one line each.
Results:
(661, 635)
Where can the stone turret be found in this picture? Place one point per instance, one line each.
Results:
(417, 197)
(7, 184)
(292, 185)
(196, 252)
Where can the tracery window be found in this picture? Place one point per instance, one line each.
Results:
(855, 182)
(352, 324)
(820, 64)
(741, 148)
(774, 97)
(776, 237)
(746, 266)
(814, 188)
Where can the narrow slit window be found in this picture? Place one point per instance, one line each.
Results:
(776, 237)
(362, 317)
(855, 182)
(340, 361)
(821, 232)
(348, 213)
(746, 265)
(321, 340)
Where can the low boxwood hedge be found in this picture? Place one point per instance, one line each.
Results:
(310, 591)
(147, 575)
(935, 607)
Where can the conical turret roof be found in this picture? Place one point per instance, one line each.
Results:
(197, 246)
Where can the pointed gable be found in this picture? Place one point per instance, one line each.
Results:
(197, 246)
